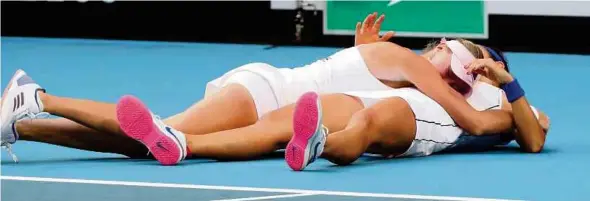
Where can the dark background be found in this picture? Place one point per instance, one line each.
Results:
(254, 22)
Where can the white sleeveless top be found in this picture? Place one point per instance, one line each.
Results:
(343, 71)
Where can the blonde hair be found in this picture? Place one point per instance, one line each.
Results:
(472, 47)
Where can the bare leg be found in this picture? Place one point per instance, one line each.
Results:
(373, 130)
(67, 133)
(231, 107)
(64, 132)
(272, 132)
(96, 115)
(93, 126)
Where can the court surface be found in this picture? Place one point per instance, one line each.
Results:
(171, 76)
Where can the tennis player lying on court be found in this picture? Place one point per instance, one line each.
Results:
(93, 125)
(137, 120)
(414, 124)
(397, 122)
(270, 133)
(240, 97)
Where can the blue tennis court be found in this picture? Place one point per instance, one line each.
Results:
(159, 72)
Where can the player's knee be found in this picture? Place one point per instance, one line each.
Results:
(365, 120)
(239, 94)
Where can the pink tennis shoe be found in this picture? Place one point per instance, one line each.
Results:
(166, 144)
(309, 135)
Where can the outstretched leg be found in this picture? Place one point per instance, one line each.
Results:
(93, 121)
(231, 107)
(92, 114)
(64, 132)
(94, 125)
(24, 98)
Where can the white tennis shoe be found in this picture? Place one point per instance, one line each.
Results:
(20, 101)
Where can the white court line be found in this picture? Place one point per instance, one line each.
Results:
(268, 197)
(251, 189)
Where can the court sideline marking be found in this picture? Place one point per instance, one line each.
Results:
(268, 197)
(235, 188)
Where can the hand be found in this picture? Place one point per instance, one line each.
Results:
(491, 69)
(368, 31)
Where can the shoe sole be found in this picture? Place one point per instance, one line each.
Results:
(306, 122)
(136, 122)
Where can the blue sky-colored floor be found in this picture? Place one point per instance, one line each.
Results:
(171, 76)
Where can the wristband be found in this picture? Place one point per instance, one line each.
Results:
(512, 90)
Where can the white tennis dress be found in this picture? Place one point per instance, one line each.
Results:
(435, 129)
(272, 88)
(346, 72)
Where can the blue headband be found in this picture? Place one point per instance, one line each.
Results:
(495, 55)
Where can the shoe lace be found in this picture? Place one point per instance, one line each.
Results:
(26, 116)
(30, 116)
(8, 148)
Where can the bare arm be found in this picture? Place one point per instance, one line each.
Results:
(530, 131)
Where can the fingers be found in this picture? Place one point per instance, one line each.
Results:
(489, 62)
(368, 21)
(387, 36)
(364, 25)
(377, 25)
(479, 71)
(357, 31)
(371, 21)
(475, 67)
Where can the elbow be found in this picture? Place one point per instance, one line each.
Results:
(477, 131)
(534, 147)
(535, 142)
(476, 128)
(483, 126)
